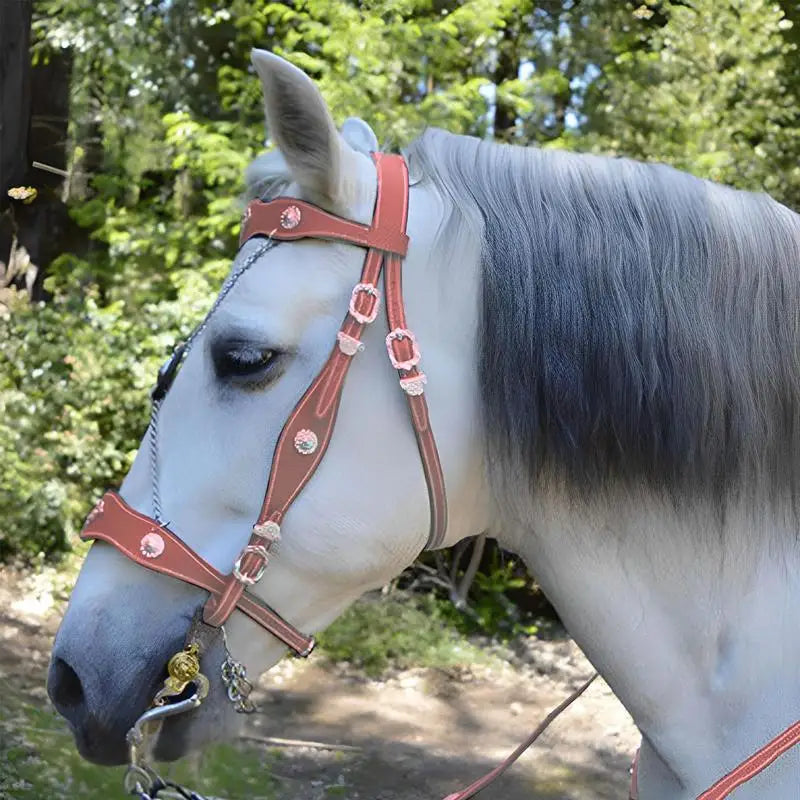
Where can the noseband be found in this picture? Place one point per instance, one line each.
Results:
(307, 433)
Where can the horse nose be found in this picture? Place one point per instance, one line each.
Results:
(98, 736)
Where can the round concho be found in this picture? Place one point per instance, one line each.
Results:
(152, 545)
(290, 217)
(305, 442)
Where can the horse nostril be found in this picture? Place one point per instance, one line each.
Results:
(64, 686)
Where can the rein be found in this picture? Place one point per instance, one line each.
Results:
(304, 439)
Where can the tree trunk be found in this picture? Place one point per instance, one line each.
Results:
(34, 111)
(15, 95)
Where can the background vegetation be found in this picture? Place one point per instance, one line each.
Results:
(153, 111)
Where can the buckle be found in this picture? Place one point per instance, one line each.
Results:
(257, 550)
(167, 372)
(364, 288)
(400, 335)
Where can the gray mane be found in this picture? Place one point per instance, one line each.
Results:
(638, 324)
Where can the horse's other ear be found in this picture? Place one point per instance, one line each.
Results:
(300, 124)
(359, 136)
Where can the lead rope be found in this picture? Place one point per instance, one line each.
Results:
(490, 777)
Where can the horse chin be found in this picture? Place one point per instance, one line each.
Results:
(108, 754)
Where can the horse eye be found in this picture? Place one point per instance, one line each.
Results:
(242, 360)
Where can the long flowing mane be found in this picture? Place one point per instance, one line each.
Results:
(637, 323)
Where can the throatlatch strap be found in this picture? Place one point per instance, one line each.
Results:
(404, 354)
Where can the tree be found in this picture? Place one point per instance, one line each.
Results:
(709, 91)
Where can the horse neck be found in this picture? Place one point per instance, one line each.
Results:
(690, 615)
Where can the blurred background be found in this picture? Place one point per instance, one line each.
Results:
(126, 128)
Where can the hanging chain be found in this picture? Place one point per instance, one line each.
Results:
(234, 676)
(155, 476)
(167, 372)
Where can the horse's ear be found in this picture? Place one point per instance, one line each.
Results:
(299, 123)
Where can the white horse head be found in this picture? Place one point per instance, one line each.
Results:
(612, 353)
(362, 518)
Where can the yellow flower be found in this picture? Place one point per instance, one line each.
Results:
(25, 193)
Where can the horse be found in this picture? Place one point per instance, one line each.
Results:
(613, 359)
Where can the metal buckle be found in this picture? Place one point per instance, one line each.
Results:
(399, 335)
(258, 550)
(364, 288)
(167, 372)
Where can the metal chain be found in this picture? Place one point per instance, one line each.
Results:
(161, 789)
(155, 475)
(234, 677)
(155, 408)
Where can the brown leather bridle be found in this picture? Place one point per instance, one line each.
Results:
(307, 433)
(308, 430)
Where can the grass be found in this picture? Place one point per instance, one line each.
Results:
(382, 634)
(38, 761)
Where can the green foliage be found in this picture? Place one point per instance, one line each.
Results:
(73, 405)
(492, 602)
(397, 632)
(708, 91)
(166, 112)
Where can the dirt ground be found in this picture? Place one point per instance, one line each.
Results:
(418, 735)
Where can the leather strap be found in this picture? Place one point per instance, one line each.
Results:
(479, 785)
(633, 793)
(404, 352)
(287, 218)
(158, 549)
(314, 416)
(740, 775)
(758, 762)
(308, 430)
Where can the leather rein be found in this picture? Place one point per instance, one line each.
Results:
(305, 437)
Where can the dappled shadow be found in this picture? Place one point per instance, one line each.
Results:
(429, 749)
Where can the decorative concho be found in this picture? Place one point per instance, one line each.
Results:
(305, 442)
(349, 345)
(248, 212)
(270, 531)
(290, 217)
(152, 545)
(184, 665)
(98, 509)
(415, 385)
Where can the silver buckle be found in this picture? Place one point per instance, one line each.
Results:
(398, 335)
(364, 288)
(258, 550)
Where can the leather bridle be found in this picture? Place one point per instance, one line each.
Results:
(305, 437)
(308, 430)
